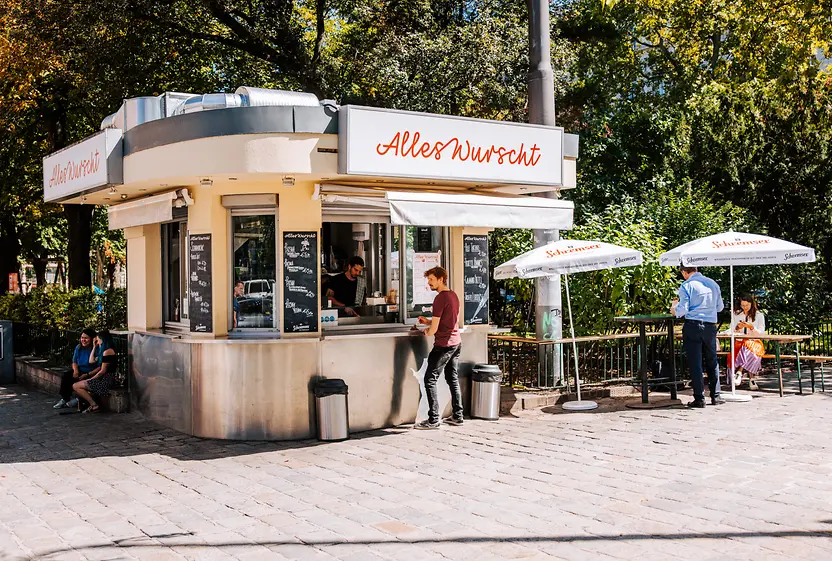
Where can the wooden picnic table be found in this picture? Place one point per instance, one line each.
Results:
(777, 339)
(569, 340)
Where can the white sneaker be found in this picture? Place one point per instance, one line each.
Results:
(60, 405)
(737, 380)
(72, 402)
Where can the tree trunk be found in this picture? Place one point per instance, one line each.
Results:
(79, 221)
(60, 273)
(111, 275)
(40, 270)
(9, 253)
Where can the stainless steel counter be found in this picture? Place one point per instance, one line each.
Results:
(261, 389)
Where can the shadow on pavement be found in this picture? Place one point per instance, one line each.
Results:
(156, 541)
(31, 431)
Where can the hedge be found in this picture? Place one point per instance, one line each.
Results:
(62, 309)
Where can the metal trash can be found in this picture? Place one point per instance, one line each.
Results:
(485, 392)
(332, 410)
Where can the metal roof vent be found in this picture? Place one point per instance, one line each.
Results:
(255, 97)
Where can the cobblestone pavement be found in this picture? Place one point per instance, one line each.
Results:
(738, 481)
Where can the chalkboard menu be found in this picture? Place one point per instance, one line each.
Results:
(200, 306)
(300, 282)
(475, 270)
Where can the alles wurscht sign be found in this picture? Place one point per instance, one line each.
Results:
(381, 142)
(85, 166)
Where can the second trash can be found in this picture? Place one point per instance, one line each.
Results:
(332, 410)
(485, 391)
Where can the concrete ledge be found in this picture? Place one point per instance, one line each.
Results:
(32, 373)
(512, 401)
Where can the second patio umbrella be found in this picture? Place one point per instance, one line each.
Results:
(737, 248)
(561, 258)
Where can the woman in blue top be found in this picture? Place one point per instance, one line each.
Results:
(84, 365)
(100, 384)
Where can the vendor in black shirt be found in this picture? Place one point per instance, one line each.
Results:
(343, 288)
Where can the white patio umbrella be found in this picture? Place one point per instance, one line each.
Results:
(737, 248)
(561, 258)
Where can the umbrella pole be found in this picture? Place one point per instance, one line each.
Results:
(733, 396)
(730, 326)
(575, 405)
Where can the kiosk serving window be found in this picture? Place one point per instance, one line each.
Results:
(360, 262)
(356, 285)
(254, 247)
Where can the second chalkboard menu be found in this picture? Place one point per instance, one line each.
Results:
(200, 307)
(300, 282)
(475, 271)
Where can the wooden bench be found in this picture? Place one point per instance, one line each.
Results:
(813, 360)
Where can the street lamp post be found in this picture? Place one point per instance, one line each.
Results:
(548, 304)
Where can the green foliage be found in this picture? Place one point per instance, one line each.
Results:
(511, 300)
(600, 296)
(71, 310)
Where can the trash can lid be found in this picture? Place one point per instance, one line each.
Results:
(332, 386)
(486, 373)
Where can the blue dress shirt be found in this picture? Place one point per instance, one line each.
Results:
(700, 298)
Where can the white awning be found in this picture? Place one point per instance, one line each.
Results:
(150, 210)
(412, 208)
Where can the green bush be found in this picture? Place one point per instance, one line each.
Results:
(599, 296)
(13, 307)
(72, 310)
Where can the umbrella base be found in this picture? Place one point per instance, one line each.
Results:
(658, 404)
(579, 405)
(736, 397)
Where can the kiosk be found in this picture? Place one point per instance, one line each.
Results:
(240, 211)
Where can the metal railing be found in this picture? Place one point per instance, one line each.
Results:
(57, 346)
(603, 360)
(610, 359)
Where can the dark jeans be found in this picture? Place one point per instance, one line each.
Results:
(699, 340)
(443, 359)
(66, 385)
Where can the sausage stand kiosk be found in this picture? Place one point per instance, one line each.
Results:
(240, 209)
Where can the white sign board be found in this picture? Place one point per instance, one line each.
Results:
(382, 142)
(422, 262)
(90, 164)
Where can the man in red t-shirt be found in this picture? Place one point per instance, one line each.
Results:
(444, 326)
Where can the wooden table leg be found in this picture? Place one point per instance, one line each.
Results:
(671, 343)
(779, 368)
(797, 357)
(812, 371)
(642, 336)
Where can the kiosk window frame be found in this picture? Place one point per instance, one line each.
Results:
(406, 273)
(167, 274)
(274, 328)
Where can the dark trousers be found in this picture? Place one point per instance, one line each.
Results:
(699, 340)
(443, 359)
(66, 385)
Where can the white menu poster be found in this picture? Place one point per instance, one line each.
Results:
(422, 294)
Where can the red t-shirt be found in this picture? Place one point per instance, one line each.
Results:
(446, 308)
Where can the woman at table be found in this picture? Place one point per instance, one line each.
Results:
(747, 353)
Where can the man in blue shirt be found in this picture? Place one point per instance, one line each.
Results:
(700, 298)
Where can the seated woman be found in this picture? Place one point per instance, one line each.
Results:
(100, 384)
(84, 365)
(747, 353)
